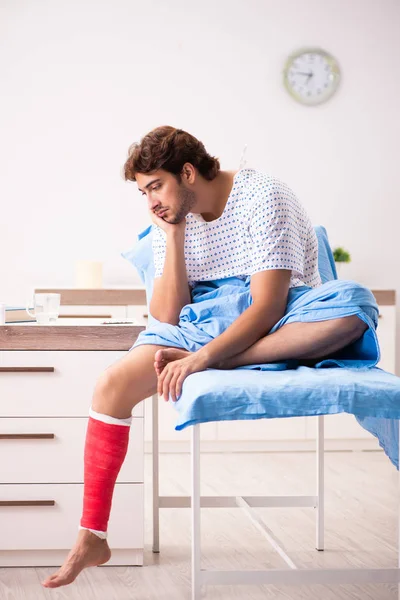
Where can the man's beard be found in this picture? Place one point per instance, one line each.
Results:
(187, 199)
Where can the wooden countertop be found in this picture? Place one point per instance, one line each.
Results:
(86, 334)
(137, 296)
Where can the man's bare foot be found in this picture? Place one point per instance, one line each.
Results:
(163, 357)
(89, 551)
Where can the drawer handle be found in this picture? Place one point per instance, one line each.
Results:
(27, 369)
(27, 502)
(99, 316)
(27, 436)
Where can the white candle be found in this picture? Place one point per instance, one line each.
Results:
(88, 274)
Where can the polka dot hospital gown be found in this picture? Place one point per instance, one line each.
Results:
(263, 227)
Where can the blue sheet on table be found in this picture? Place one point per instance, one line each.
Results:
(281, 389)
(304, 391)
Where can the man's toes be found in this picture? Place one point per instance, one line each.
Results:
(159, 366)
(50, 580)
(58, 580)
(159, 356)
(163, 357)
(159, 362)
(53, 583)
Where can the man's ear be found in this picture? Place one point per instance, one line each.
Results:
(188, 173)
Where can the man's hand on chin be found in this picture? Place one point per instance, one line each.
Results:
(165, 225)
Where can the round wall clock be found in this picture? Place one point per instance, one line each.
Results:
(311, 76)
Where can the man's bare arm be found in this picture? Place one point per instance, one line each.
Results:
(269, 290)
(171, 291)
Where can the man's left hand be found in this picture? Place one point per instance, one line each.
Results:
(174, 374)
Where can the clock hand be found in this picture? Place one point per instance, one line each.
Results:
(309, 77)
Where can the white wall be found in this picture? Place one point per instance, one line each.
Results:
(82, 80)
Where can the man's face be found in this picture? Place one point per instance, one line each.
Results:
(167, 198)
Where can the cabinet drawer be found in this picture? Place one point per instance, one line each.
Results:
(58, 459)
(84, 311)
(66, 392)
(55, 526)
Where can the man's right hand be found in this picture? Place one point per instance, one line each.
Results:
(171, 291)
(168, 227)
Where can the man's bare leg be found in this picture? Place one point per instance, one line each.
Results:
(122, 386)
(305, 341)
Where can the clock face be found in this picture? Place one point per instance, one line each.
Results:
(311, 76)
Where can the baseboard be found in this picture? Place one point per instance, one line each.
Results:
(211, 446)
(132, 557)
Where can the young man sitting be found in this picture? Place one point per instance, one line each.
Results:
(211, 226)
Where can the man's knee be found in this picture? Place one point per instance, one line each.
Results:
(108, 385)
(126, 382)
(356, 327)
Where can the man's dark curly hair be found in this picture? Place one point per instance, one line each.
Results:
(169, 149)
